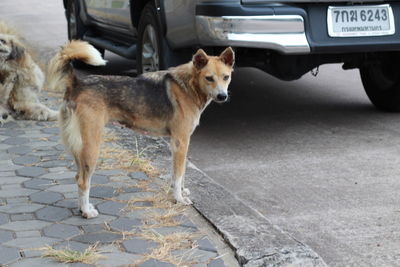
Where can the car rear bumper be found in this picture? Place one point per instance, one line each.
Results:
(283, 33)
(288, 29)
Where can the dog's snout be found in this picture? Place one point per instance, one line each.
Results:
(5, 116)
(222, 97)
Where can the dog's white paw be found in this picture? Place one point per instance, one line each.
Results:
(184, 200)
(53, 115)
(89, 212)
(186, 192)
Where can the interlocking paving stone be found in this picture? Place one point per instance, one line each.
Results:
(65, 188)
(129, 196)
(185, 222)
(20, 200)
(53, 130)
(171, 230)
(143, 204)
(58, 170)
(38, 183)
(20, 208)
(91, 228)
(77, 220)
(53, 214)
(31, 242)
(99, 179)
(19, 150)
(12, 180)
(34, 262)
(54, 163)
(26, 160)
(22, 217)
(45, 197)
(6, 173)
(3, 218)
(205, 244)
(67, 181)
(67, 203)
(54, 138)
(8, 255)
(16, 192)
(102, 237)
(111, 207)
(10, 131)
(8, 166)
(202, 256)
(59, 176)
(5, 236)
(139, 246)
(102, 191)
(109, 172)
(33, 233)
(216, 263)
(115, 257)
(125, 224)
(72, 245)
(138, 175)
(131, 189)
(61, 231)
(155, 263)
(16, 141)
(60, 147)
(31, 172)
(24, 225)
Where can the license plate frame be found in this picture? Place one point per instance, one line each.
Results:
(359, 29)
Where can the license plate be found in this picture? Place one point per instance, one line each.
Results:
(360, 21)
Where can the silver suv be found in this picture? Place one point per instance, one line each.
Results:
(286, 38)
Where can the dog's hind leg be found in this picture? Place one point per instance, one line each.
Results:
(81, 131)
(179, 148)
(91, 131)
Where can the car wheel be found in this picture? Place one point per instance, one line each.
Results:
(153, 52)
(381, 82)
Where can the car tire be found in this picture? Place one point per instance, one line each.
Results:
(77, 29)
(381, 82)
(153, 52)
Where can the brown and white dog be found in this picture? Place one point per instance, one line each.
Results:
(21, 80)
(163, 103)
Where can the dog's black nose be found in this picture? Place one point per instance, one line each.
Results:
(222, 97)
(5, 116)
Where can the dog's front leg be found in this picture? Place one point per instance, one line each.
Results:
(179, 148)
(6, 87)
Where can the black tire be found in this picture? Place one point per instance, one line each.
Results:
(77, 29)
(381, 82)
(149, 18)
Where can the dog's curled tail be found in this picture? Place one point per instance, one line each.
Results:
(60, 72)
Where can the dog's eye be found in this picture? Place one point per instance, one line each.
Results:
(2, 41)
(226, 77)
(210, 78)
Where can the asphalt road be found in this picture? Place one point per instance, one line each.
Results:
(313, 156)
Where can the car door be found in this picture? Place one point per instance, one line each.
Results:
(111, 12)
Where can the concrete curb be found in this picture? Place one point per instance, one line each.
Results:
(254, 239)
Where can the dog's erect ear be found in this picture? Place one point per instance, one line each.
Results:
(200, 59)
(228, 56)
(17, 51)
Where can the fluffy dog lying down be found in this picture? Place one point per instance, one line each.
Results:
(163, 103)
(21, 80)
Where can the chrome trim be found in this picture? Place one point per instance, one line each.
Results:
(331, 33)
(284, 33)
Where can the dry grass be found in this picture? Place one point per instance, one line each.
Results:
(89, 256)
(169, 243)
(114, 157)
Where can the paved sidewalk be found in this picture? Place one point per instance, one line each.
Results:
(38, 208)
